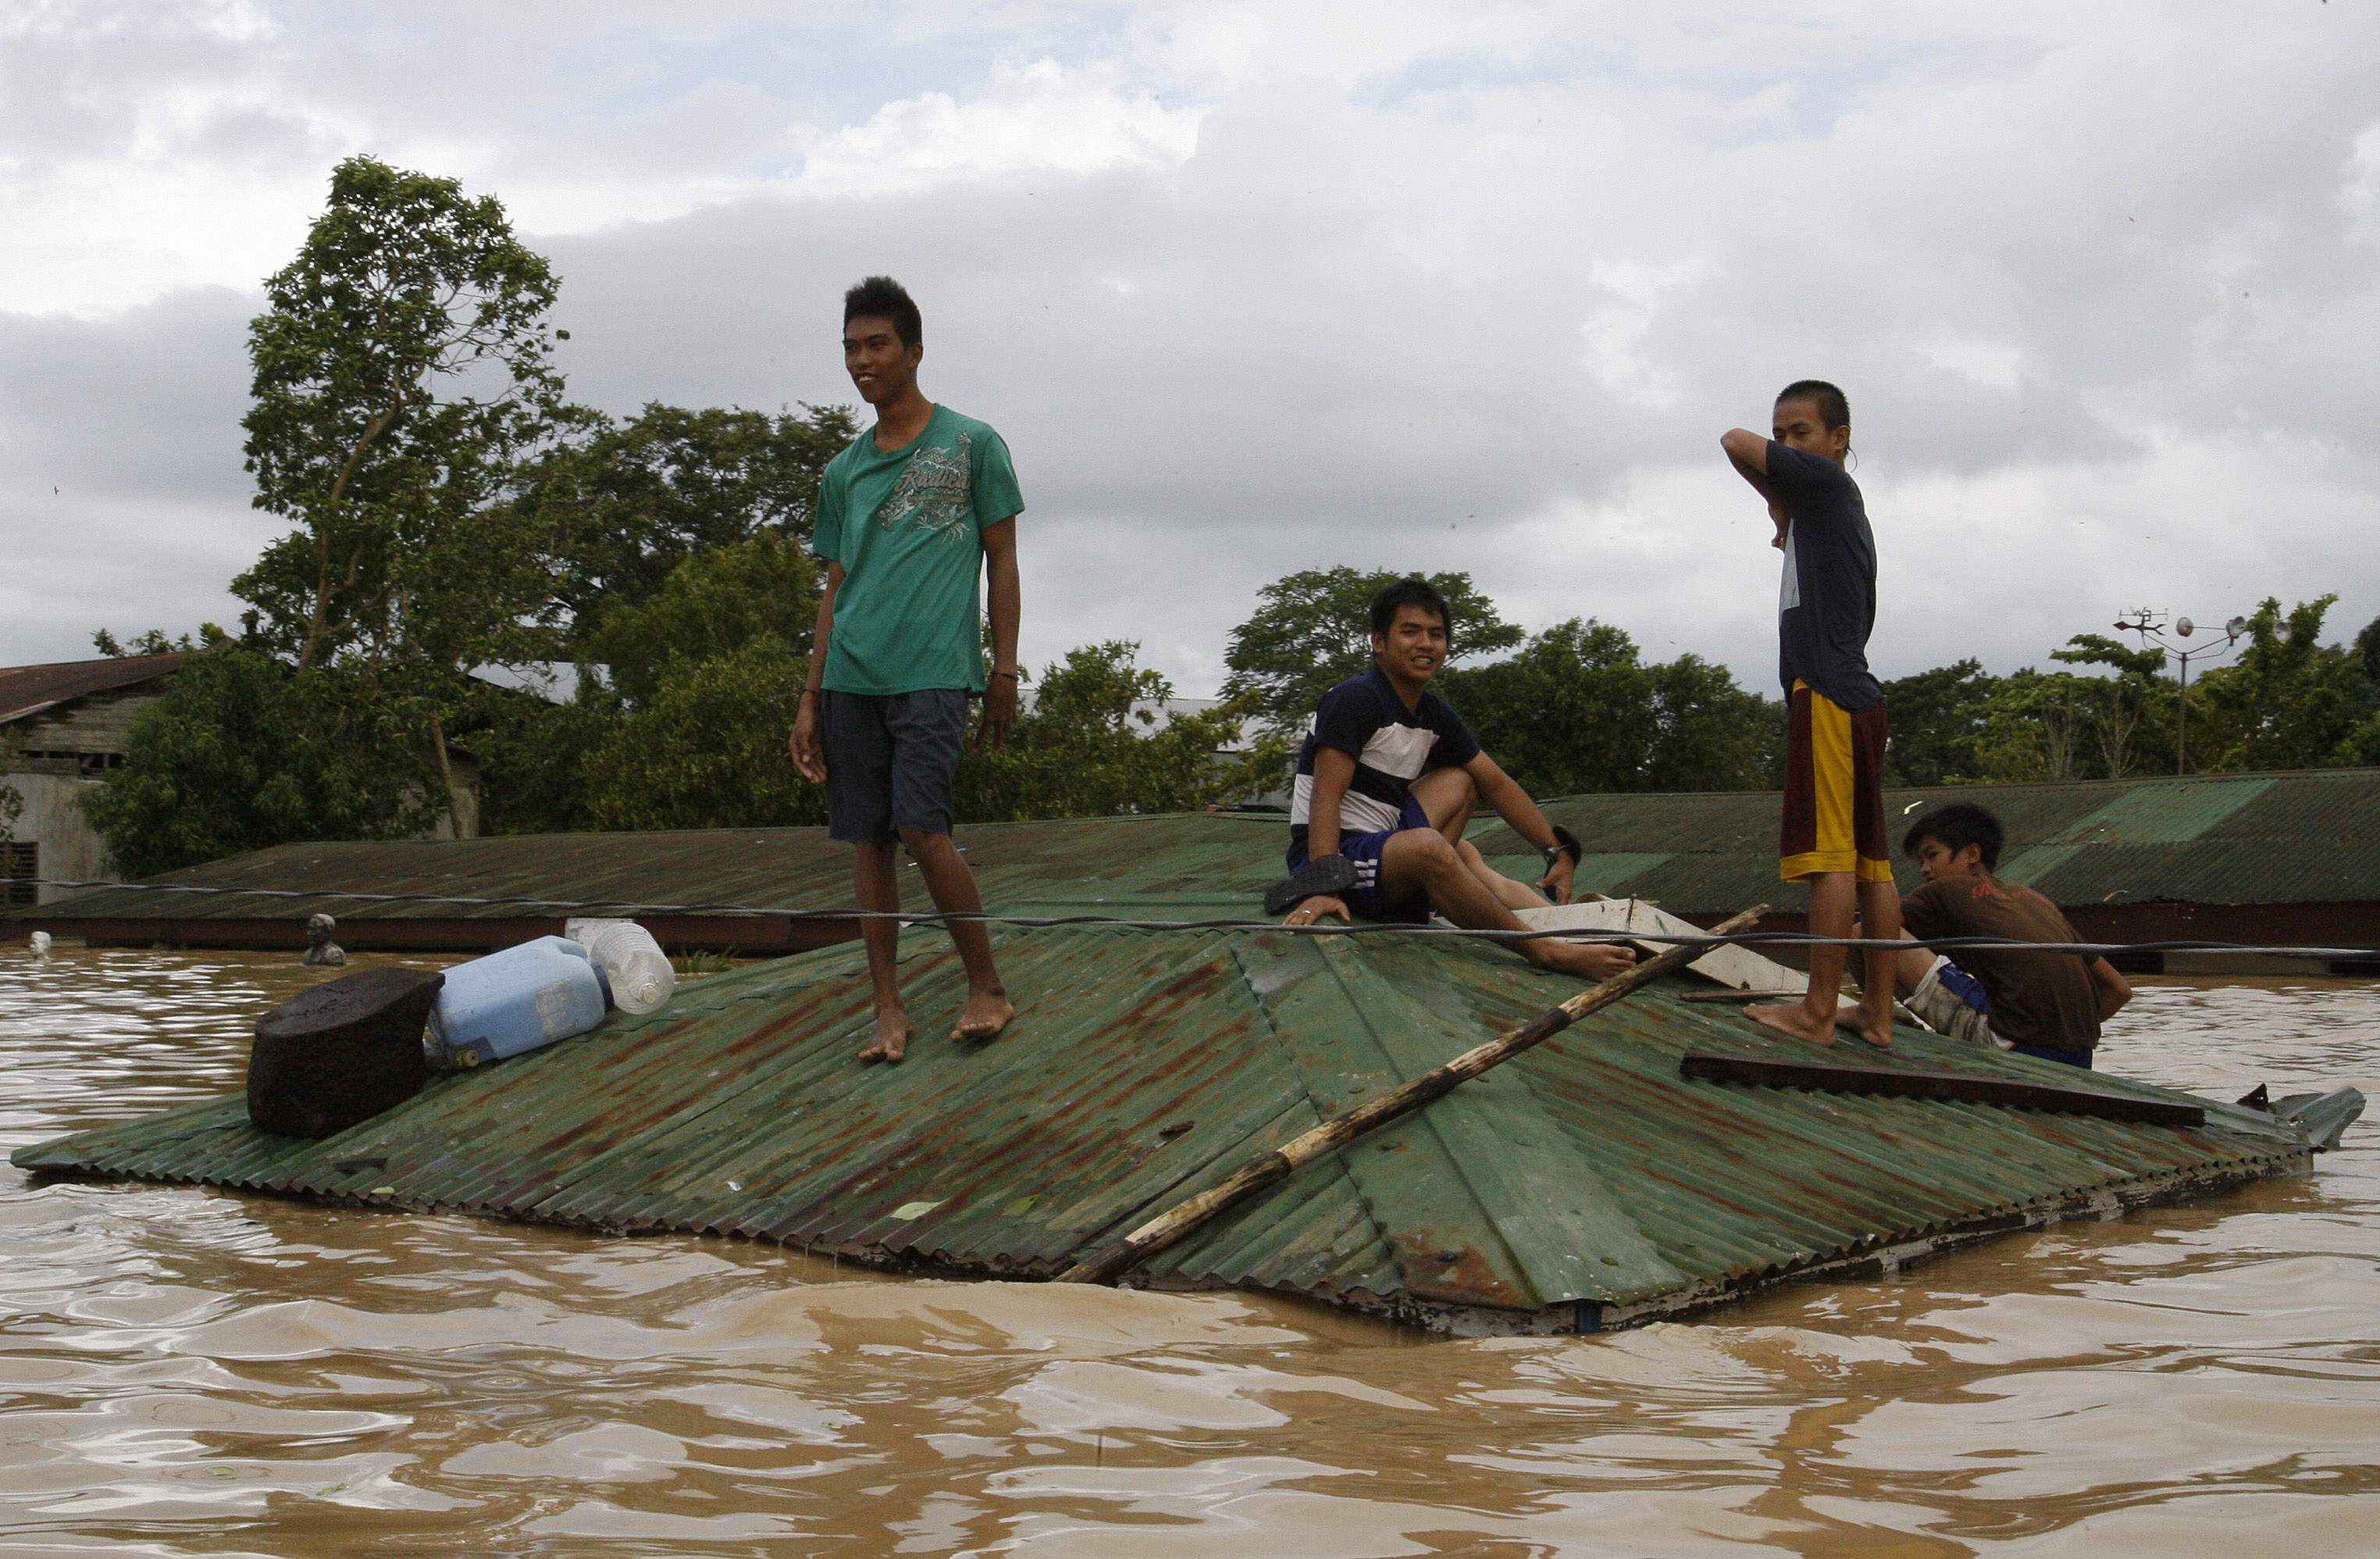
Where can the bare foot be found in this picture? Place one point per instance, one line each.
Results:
(1876, 1028)
(1854, 1018)
(987, 1014)
(1587, 960)
(891, 1041)
(1794, 1022)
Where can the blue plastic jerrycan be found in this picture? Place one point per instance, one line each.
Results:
(513, 1001)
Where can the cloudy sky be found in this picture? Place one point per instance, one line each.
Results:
(1255, 287)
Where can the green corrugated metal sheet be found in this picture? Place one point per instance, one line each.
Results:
(1144, 1067)
(2310, 838)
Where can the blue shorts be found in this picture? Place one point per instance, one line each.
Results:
(1364, 851)
(891, 762)
(2071, 1057)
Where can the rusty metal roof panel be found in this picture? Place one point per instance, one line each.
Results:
(2305, 838)
(1144, 1067)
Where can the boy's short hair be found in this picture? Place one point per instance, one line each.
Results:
(1408, 592)
(881, 298)
(1834, 406)
(1955, 827)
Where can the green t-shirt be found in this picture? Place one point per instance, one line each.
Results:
(907, 528)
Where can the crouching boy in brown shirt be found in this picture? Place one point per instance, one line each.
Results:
(2049, 1005)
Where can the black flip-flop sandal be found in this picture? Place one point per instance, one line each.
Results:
(1322, 876)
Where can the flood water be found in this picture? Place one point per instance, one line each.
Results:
(183, 1370)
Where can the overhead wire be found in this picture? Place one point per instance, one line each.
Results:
(1233, 924)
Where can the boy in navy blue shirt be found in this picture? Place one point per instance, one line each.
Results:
(1833, 835)
(1388, 777)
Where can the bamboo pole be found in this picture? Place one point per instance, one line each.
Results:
(1277, 1164)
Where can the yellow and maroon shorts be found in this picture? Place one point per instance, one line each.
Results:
(1834, 790)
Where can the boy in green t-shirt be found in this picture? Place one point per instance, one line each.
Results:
(909, 516)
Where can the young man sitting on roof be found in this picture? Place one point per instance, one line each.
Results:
(1386, 781)
(2049, 1005)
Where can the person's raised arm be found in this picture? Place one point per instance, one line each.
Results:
(2112, 989)
(1748, 453)
(808, 752)
(1005, 595)
(1503, 794)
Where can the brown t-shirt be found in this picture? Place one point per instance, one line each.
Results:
(2047, 999)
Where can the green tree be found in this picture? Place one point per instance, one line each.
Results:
(239, 753)
(709, 750)
(402, 371)
(533, 758)
(716, 601)
(2127, 716)
(2289, 701)
(1713, 735)
(2035, 727)
(1095, 744)
(1573, 711)
(1939, 720)
(626, 502)
(1576, 711)
(12, 807)
(1312, 630)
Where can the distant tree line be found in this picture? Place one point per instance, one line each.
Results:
(452, 510)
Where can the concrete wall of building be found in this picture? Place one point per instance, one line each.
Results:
(69, 847)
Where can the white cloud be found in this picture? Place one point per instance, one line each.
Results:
(1253, 287)
(1034, 118)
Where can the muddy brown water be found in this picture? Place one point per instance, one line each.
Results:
(183, 1370)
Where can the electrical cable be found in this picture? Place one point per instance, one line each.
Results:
(1116, 923)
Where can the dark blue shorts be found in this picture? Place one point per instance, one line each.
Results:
(1364, 851)
(2071, 1057)
(891, 762)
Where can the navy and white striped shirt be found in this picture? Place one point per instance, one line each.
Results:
(1392, 747)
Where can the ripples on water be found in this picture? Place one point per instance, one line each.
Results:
(187, 1371)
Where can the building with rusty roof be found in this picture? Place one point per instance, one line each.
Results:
(62, 728)
(2279, 858)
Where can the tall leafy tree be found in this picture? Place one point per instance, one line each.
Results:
(1098, 740)
(1938, 719)
(1571, 711)
(2289, 701)
(708, 751)
(239, 753)
(1713, 735)
(402, 371)
(626, 502)
(1312, 630)
(712, 604)
(2128, 714)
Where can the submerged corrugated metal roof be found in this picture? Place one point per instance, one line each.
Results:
(1143, 1068)
(2262, 839)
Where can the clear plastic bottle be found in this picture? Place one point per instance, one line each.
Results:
(634, 963)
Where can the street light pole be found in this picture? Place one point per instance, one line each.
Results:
(2150, 625)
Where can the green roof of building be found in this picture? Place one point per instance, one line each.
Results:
(2310, 838)
(1588, 1183)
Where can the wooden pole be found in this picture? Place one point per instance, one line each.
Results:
(1277, 1164)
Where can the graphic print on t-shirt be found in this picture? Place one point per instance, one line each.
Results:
(933, 492)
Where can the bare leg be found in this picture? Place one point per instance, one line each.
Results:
(953, 885)
(879, 889)
(1832, 895)
(1422, 859)
(1510, 893)
(1448, 797)
(1881, 913)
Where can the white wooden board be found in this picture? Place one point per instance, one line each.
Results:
(1738, 969)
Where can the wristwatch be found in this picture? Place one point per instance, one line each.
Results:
(1565, 843)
